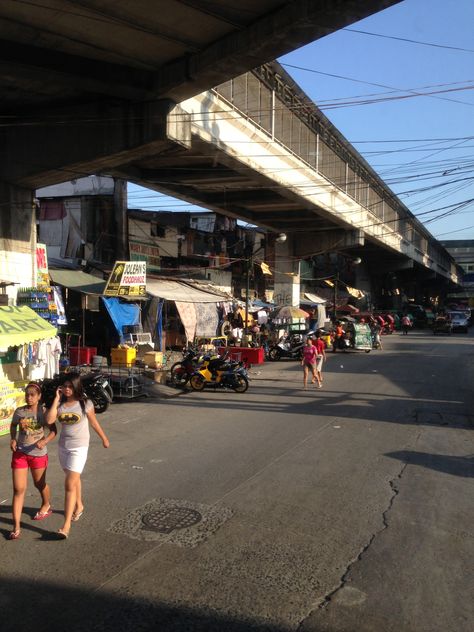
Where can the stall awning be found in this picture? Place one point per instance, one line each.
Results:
(314, 299)
(183, 292)
(20, 325)
(78, 281)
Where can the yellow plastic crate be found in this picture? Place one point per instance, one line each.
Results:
(123, 357)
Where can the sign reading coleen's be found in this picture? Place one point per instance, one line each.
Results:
(128, 278)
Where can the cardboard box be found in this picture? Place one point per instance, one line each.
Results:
(153, 359)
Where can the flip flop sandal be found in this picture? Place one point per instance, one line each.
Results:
(41, 515)
(62, 534)
(14, 535)
(76, 516)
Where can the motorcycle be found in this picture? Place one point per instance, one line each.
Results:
(219, 373)
(289, 346)
(181, 372)
(96, 388)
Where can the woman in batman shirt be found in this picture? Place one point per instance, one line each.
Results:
(75, 413)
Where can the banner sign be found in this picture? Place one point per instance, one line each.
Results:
(42, 276)
(147, 253)
(128, 278)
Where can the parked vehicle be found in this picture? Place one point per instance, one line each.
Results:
(220, 373)
(289, 346)
(459, 321)
(96, 387)
(181, 372)
(442, 325)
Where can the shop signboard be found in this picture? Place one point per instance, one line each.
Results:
(128, 279)
(12, 395)
(144, 252)
(42, 275)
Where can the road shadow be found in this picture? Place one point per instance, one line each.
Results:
(456, 465)
(46, 606)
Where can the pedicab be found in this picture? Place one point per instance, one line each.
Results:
(359, 336)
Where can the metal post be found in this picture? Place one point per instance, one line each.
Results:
(247, 292)
(336, 279)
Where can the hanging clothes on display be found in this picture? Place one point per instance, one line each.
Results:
(41, 358)
(187, 313)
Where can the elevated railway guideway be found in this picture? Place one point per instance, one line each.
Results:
(84, 83)
(257, 148)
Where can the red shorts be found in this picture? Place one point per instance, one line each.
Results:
(21, 461)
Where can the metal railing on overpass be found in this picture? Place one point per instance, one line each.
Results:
(273, 102)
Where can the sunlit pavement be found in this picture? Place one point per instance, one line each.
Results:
(345, 509)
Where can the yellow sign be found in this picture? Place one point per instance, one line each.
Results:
(20, 325)
(128, 278)
(12, 396)
(265, 268)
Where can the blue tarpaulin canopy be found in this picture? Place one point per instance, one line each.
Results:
(122, 313)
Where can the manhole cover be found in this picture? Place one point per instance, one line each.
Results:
(174, 521)
(170, 519)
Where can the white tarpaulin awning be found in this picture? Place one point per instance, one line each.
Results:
(183, 292)
(314, 298)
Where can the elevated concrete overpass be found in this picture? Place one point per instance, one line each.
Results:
(258, 149)
(84, 82)
(91, 86)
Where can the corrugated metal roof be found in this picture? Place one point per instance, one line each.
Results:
(183, 292)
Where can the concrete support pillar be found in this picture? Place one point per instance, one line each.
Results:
(17, 237)
(287, 275)
(120, 212)
(363, 282)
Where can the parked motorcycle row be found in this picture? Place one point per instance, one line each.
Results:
(206, 371)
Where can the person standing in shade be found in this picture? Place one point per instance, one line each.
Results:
(74, 413)
(309, 363)
(28, 443)
(320, 345)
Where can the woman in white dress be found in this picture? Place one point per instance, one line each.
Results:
(75, 413)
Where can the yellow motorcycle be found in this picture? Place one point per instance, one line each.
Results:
(217, 372)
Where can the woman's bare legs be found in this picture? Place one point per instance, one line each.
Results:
(78, 507)
(20, 479)
(315, 376)
(39, 479)
(305, 375)
(70, 498)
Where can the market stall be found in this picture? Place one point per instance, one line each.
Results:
(28, 350)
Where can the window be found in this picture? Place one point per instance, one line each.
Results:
(156, 231)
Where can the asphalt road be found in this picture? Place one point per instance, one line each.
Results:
(346, 509)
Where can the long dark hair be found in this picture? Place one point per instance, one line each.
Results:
(77, 387)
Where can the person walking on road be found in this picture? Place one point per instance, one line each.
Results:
(309, 363)
(28, 443)
(406, 324)
(74, 413)
(320, 345)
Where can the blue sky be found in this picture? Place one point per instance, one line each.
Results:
(421, 145)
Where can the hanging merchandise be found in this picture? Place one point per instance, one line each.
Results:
(58, 300)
